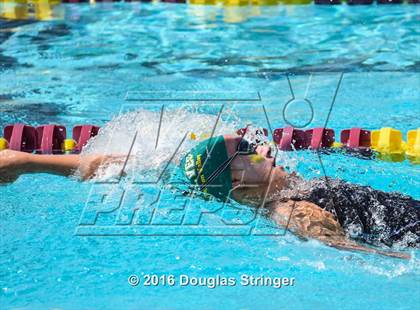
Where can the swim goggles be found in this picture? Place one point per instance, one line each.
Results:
(243, 148)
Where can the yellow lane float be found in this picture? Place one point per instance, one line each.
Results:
(388, 143)
(3, 144)
(69, 146)
(203, 2)
(413, 145)
(235, 2)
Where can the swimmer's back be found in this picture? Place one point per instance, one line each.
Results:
(367, 214)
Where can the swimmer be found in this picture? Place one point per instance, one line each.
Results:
(229, 167)
(323, 209)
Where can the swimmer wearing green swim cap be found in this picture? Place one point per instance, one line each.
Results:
(220, 164)
(230, 167)
(201, 163)
(209, 164)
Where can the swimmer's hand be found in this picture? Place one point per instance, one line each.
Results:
(91, 164)
(308, 220)
(353, 246)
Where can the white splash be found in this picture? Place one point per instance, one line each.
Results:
(151, 141)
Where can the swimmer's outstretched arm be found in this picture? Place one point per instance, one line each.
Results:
(308, 220)
(14, 163)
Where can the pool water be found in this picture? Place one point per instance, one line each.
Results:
(121, 63)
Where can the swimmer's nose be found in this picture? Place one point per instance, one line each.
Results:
(264, 150)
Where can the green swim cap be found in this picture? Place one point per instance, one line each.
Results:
(203, 160)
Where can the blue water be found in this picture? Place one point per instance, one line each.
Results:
(92, 63)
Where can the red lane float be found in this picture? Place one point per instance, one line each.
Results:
(355, 138)
(317, 138)
(327, 2)
(20, 137)
(46, 139)
(389, 1)
(82, 134)
(359, 2)
(289, 139)
(50, 139)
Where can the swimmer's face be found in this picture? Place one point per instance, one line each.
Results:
(253, 170)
